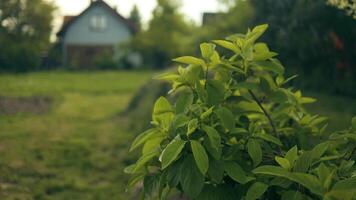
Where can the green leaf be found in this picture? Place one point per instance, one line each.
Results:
(191, 179)
(163, 112)
(231, 67)
(343, 190)
(319, 150)
(279, 96)
(303, 162)
(269, 138)
(347, 184)
(129, 169)
(294, 195)
(152, 144)
(324, 175)
(307, 180)
(161, 106)
(215, 92)
(213, 135)
(262, 52)
(171, 152)
(178, 121)
(256, 191)
(192, 74)
(183, 102)
(168, 77)
(200, 156)
(202, 93)
(189, 60)
(216, 170)
(207, 50)
(215, 153)
(257, 31)
(292, 155)
(228, 45)
(145, 158)
(226, 117)
(218, 192)
(150, 184)
(270, 65)
(289, 79)
(143, 137)
(174, 173)
(283, 162)
(134, 180)
(253, 35)
(207, 113)
(236, 172)
(255, 151)
(192, 126)
(215, 58)
(306, 100)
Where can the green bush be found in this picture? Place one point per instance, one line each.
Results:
(105, 61)
(236, 132)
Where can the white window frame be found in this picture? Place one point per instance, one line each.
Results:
(98, 22)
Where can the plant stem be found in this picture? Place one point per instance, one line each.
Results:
(206, 75)
(264, 111)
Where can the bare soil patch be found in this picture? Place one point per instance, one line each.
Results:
(32, 105)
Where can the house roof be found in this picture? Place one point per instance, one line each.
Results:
(69, 20)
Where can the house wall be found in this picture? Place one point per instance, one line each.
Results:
(82, 45)
(85, 57)
(80, 33)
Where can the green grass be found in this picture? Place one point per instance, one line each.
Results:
(77, 150)
(338, 109)
(78, 82)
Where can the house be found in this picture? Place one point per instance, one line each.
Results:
(98, 30)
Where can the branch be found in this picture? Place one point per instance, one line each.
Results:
(206, 75)
(264, 111)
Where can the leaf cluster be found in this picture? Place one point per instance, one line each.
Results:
(235, 131)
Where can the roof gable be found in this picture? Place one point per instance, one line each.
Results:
(70, 21)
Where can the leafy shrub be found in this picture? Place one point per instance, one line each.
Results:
(105, 61)
(236, 132)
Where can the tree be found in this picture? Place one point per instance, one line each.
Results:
(168, 35)
(235, 130)
(135, 17)
(25, 28)
(237, 18)
(296, 25)
(348, 5)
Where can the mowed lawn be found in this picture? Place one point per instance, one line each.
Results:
(75, 150)
(78, 148)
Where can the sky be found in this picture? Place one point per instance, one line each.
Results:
(193, 9)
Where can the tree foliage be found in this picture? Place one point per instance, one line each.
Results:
(348, 5)
(135, 17)
(314, 39)
(25, 28)
(168, 35)
(235, 131)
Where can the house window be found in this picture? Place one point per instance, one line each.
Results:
(98, 23)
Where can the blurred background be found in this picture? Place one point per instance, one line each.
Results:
(76, 78)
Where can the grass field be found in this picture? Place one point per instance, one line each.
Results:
(78, 149)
